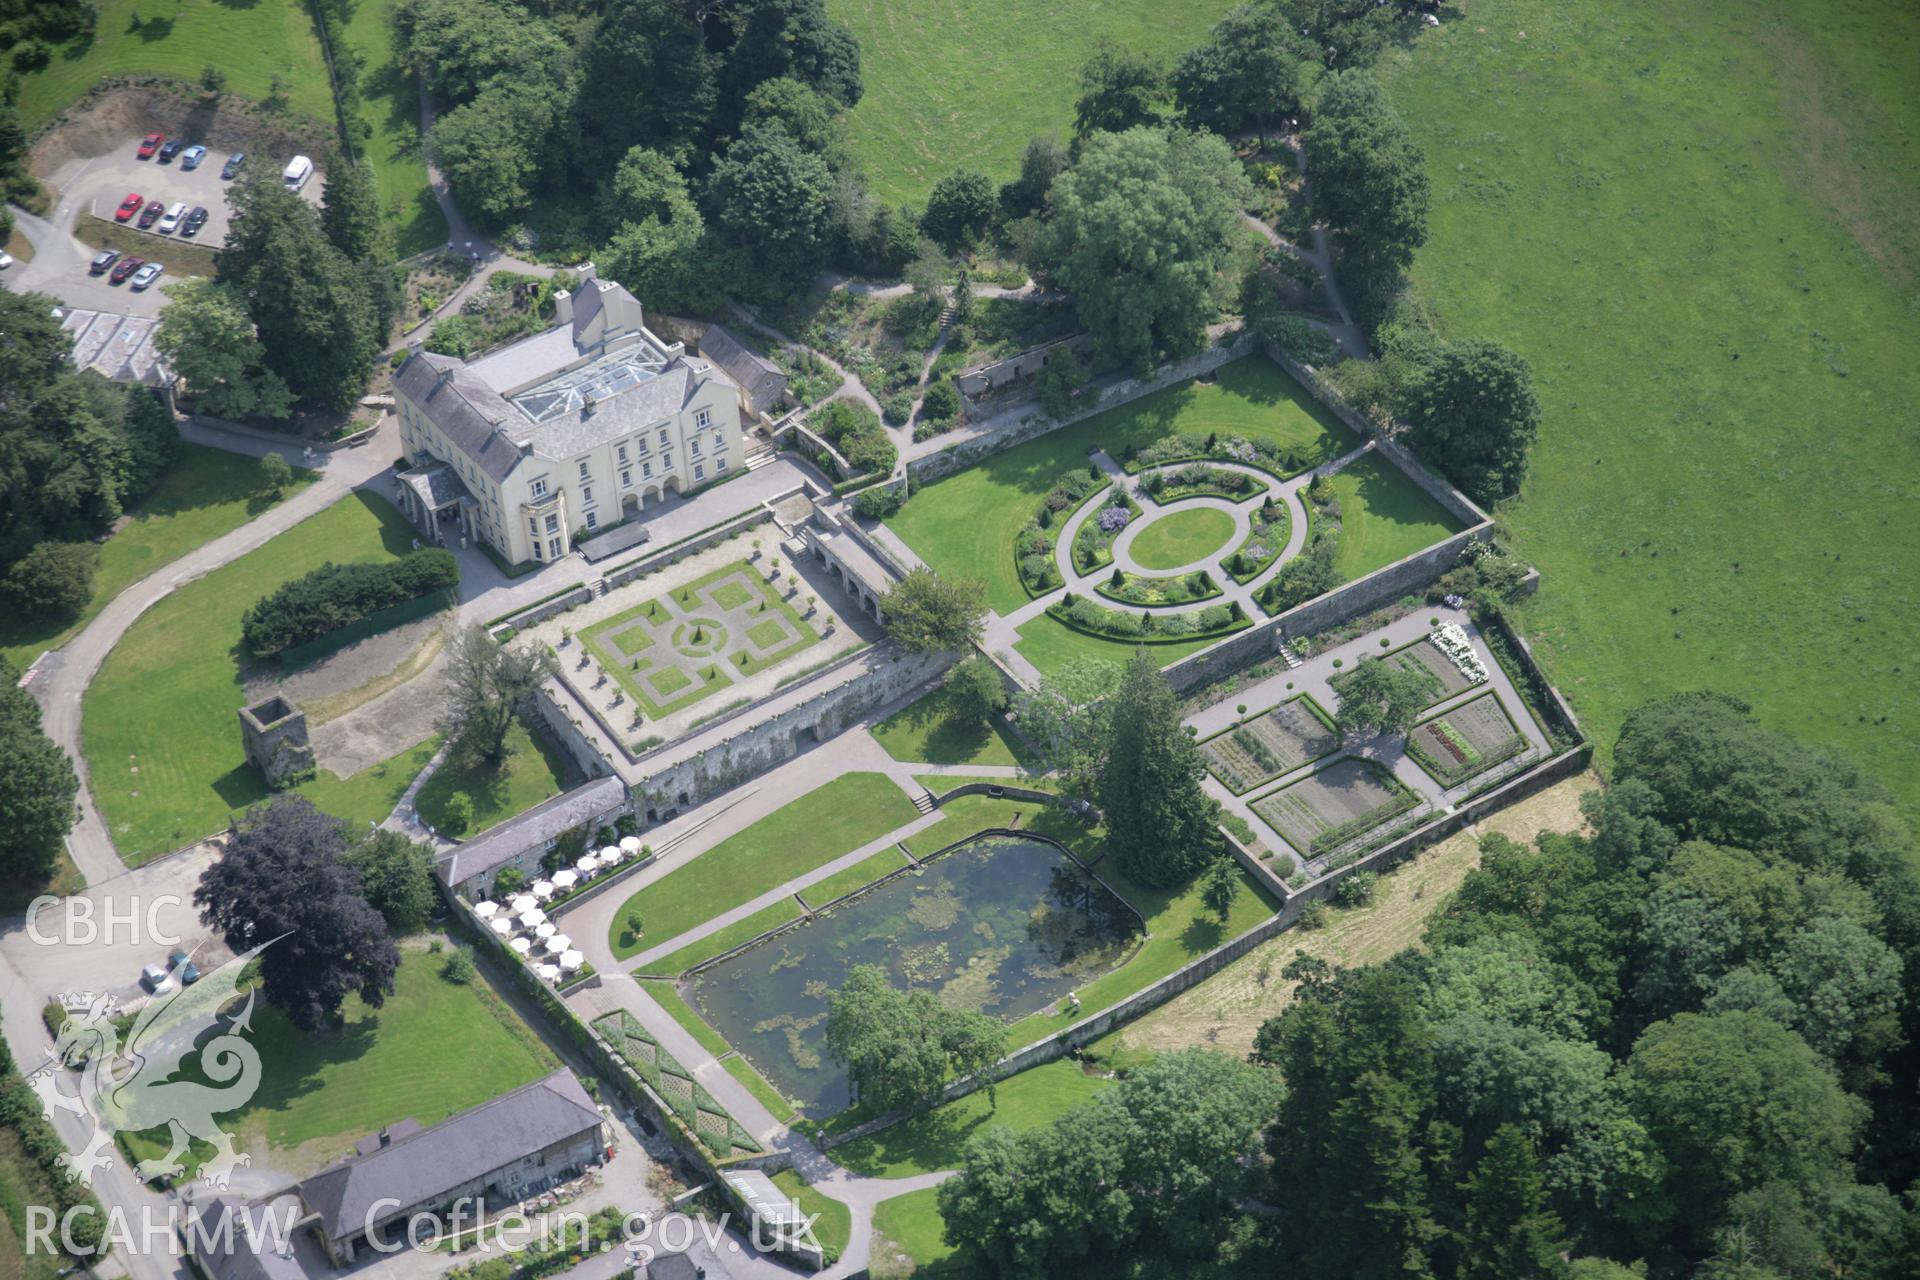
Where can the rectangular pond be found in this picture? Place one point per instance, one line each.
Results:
(1003, 924)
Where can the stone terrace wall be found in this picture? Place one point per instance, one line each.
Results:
(620, 576)
(967, 452)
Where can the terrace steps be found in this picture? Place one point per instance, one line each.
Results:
(1288, 656)
(924, 801)
(760, 455)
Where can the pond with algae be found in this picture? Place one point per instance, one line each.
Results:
(1003, 924)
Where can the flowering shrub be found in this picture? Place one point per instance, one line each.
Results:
(1114, 519)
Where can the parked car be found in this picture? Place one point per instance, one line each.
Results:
(102, 260)
(126, 268)
(151, 214)
(150, 144)
(195, 220)
(129, 206)
(156, 980)
(6, 259)
(145, 276)
(171, 222)
(232, 166)
(170, 150)
(192, 156)
(298, 170)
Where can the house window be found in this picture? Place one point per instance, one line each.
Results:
(533, 527)
(586, 494)
(540, 487)
(720, 464)
(593, 519)
(694, 446)
(665, 440)
(626, 477)
(622, 453)
(666, 460)
(703, 418)
(585, 470)
(699, 471)
(646, 469)
(719, 442)
(553, 548)
(553, 523)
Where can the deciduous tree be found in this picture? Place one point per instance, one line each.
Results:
(775, 199)
(978, 689)
(208, 338)
(900, 1048)
(282, 880)
(960, 210)
(926, 612)
(488, 686)
(1369, 179)
(37, 786)
(1475, 417)
(396, 878)
(1119, 89)
(1378, 696)
(1247, 74)
(52, 581)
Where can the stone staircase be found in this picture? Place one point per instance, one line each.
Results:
(924, 801)
(759, 454)
(1288, 656)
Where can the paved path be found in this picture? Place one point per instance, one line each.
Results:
(1349, 335)
(63, 677)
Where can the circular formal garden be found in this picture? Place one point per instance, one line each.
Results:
(1184, 536)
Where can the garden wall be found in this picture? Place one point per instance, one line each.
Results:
(621, 575)
(536, 614)
(967, 452)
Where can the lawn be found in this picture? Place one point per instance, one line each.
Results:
(834, 1220)
(1701, 224)
(911, 1224)
(251, 42)
(965, 524)
(965, 83)
(207, 492)
(814, 829)
(160, 732)
(756, 1084)
(536, 767)
(1050, 644)
(318, 1093)
(714, 944)
(390, 104)
(371, 794)
(936, 1140)
(857, 876)
(1182, 537)
(668, 997)
(929, 731)
(1384, 517)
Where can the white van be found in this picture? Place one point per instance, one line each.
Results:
(298, 170)
(170, 221)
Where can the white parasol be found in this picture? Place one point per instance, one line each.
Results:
(610, 855)
(571, 959)
(630, 846)
(524, 902)
(559, 942)
(548, 972)
(545, 929)
(564, 878)
(543, 889)
(531, 917)
(501, 925)
(486, 910)
(521, 945)
(588, 864)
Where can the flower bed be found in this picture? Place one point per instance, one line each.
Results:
(1093, 618)
(1033, 549)
(1272, 524)
(676, 1085)
(1181, 588)
(1093, 541)
(1197, 480)
(1283, 461)
(1468, 740)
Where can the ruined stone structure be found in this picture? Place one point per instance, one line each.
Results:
(274, 733)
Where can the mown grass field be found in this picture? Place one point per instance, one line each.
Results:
(207, 493)
(930, 730)
(318, 1093)
(814, 829)
(965, 83)
(966, 523)
(1383, 517)
(390, 104)
(252, 43)
(535, 769)
(159, 725)
(1701, 224)
(935, 1141)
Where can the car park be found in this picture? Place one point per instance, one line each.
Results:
(125, 268)
(170, 223)
(170, 150)
(151, 214)
(155, 979)
(195, 220)
(102, 261)
(232, 166)
(129, 206)
(150, 144)
(298, 170)
(145, 276)
(192, 156)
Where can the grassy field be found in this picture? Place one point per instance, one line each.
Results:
(756, 1084)
(717, 943)
(371, 794)
(935, 1141)
(207, 493)
(1050, 644)
(535, 768)
(1182, 537)
(911, 1225)
(817, 828)
(835, 1220)
(1226, 1010)
(390, 104)
(159, 729)
(857, 876)
(319, 1093)
(965, 83)
(1383, 517)
(251, 42)
(1701, 224)
(965, 524)
(927, 731)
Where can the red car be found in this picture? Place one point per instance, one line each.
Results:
(129, 207)
(150, 144)
(151, 214)
(124, 268)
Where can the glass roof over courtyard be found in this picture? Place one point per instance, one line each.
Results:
(609, 374)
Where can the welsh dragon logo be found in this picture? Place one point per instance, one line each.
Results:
(134, 1084)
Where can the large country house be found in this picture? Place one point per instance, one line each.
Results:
(564, 433)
